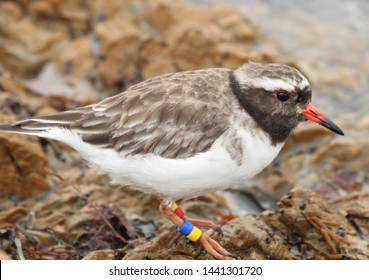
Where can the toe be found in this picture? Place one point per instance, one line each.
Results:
(213, 247)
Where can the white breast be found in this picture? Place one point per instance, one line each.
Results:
(174, 179)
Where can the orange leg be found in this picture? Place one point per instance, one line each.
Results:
(205, 223)
(210, 245)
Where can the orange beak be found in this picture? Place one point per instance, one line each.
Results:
(313, 114)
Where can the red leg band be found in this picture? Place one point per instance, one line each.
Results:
(179, 212)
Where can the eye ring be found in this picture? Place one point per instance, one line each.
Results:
(282, 95)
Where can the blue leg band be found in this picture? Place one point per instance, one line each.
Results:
(186, 228)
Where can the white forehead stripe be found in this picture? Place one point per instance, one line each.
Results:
(270, 84)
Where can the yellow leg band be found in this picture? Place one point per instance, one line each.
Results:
(195, 234)
(174, 207)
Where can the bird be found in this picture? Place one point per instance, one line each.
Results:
(184, 134)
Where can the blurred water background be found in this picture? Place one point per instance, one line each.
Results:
(329, 40)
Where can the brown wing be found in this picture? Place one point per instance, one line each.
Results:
(174, 116)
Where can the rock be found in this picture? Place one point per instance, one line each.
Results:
(307, 134)
(41, 9)
(10, 217)
(23, 165)
(345, 182)
(286, 234)
(114, 44)
(350, 151)
(4, 256)
(102, 255)
(23, 162)
(25, 46)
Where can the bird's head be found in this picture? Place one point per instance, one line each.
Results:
(271, 92)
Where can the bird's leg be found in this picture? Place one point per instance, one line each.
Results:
(168, 213)
(192, 232)
(205, 223)
(196, 222)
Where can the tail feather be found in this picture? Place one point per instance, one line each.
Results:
(36, 125)
(14, 128)
(62, 118)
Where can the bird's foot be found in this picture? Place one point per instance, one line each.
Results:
(188, 227)
(213, 247)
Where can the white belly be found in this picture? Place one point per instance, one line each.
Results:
(175, 179)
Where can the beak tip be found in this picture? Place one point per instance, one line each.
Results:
(313, 114)
(332, 126)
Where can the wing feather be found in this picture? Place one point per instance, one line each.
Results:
(177, 115)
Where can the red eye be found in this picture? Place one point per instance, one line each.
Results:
(283, 95)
